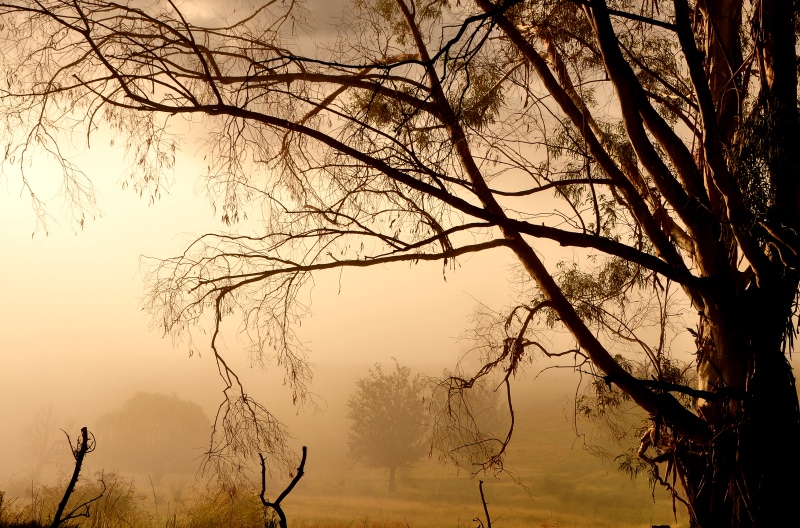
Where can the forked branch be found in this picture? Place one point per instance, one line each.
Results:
(276, 505)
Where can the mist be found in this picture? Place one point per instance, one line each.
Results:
(78, 349)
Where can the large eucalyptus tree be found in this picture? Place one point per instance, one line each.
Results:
(658, 139)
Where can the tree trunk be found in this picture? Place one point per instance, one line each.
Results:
(746, 476)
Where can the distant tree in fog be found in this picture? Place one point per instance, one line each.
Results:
(153, 434)
(388, 418)
(45, 442)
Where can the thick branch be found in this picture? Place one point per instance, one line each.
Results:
(637, 205)
(712, 143)
(663, 405)
(677, 272)
(634, 105)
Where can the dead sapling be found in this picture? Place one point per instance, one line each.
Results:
(84, 445)
(276, 505)
(485, 509)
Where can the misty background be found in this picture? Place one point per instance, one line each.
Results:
(76, 346)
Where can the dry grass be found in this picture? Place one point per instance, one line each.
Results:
(125, 507)
(561, 487)
(425, 499)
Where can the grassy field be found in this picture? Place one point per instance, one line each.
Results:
(551, 481)
(549, 484)
(435, 499)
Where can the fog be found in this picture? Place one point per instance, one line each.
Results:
(76, 346)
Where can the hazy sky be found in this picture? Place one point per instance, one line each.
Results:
(74, 337)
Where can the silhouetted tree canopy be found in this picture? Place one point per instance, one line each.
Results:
(388, 420)
(655, 140)
(154, 434)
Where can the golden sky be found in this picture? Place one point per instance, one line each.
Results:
(74, 336)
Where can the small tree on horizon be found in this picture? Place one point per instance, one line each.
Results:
(388, 420)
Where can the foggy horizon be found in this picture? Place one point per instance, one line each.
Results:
(397, 264)
(83, 346)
